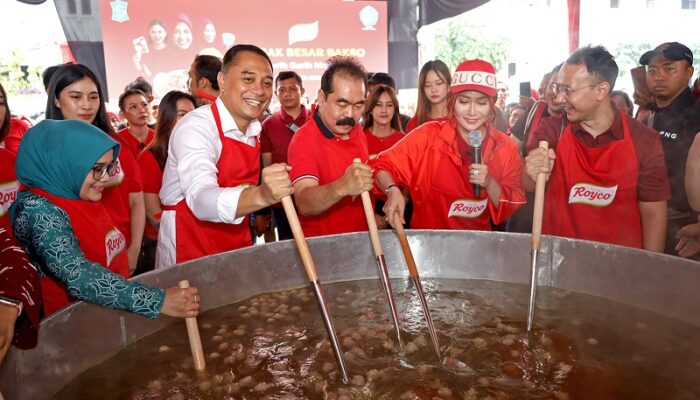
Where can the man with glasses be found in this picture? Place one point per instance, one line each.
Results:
(277, 133)
(606, 173)
(677, 120)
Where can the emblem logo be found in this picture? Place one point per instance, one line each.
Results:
(8, 194)
(115, 243)
(464, 208)
(303, 32)
(119, 11)
(597, 196)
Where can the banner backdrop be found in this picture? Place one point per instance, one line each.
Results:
(158, 39)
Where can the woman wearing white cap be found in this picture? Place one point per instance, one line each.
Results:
(451, 188)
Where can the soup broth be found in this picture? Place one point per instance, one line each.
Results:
(274, 346)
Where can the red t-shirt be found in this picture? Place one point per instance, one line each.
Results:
(376, 145)
(413, 122)
(314, 155)
(652, 182)
(115, 198)
(14, 136)
(134, 145)
(277, 133)
(152, 179)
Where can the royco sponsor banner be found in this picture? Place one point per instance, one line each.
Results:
(158, 39)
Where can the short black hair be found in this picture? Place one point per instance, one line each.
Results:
(284, 75)
(5, 123)
(349, 66)
(141, 84)
(230, 56)
(127, 93)
(598, 61)
(48, 73)
(625, 97)
(382, 78)
(208, 67)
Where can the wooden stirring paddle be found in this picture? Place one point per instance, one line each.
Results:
(310, 268)
(413, 271)
(193, 334)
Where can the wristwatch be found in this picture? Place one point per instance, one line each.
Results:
(9, 301)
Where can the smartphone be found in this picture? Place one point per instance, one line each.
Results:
(525, 89)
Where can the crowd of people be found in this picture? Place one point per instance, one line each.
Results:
(91, 198)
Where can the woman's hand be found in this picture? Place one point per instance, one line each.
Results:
(479, 175)
(181, 303)
(395, 204)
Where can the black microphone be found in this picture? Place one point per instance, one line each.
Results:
(475, 139)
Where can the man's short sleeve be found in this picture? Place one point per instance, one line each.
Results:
(265, 142)
(652, 179)
(548, 130)
(302, 155)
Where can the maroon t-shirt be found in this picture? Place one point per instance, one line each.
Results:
(652, 182)
(277, 133)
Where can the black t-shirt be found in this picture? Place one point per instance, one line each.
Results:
(677, 124)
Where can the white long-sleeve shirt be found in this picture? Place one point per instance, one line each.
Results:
(190, 173)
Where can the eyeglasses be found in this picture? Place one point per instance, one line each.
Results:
(568, 91)
(100, 170)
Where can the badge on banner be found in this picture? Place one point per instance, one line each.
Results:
(119, 11)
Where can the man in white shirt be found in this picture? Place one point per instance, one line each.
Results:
(209, 182)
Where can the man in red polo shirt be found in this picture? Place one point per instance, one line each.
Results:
(277, 133)
(133, 106)
(326, 180)
(606, 174)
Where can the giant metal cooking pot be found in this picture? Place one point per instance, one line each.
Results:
(83, 335)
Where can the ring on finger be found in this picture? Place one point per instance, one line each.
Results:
(475, 172)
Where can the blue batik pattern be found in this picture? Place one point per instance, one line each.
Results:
(44, 230)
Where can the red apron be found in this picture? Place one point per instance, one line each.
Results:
(239, 164)
(451, 202)
(99, 239)
(592, 192)
(9, 185)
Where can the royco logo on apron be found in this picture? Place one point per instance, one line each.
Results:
(8, 194)
(597, 196)
(117, 175)
(464, 208)
(115, 243)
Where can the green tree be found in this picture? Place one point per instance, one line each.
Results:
(463, 40)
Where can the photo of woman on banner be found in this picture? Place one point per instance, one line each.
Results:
(146, 52)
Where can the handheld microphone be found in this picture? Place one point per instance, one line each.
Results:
(475, 139)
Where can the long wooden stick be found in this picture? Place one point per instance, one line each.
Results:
(193, 334)
(537, 215)
(413, 271)
(379, 256)
(310, 268)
